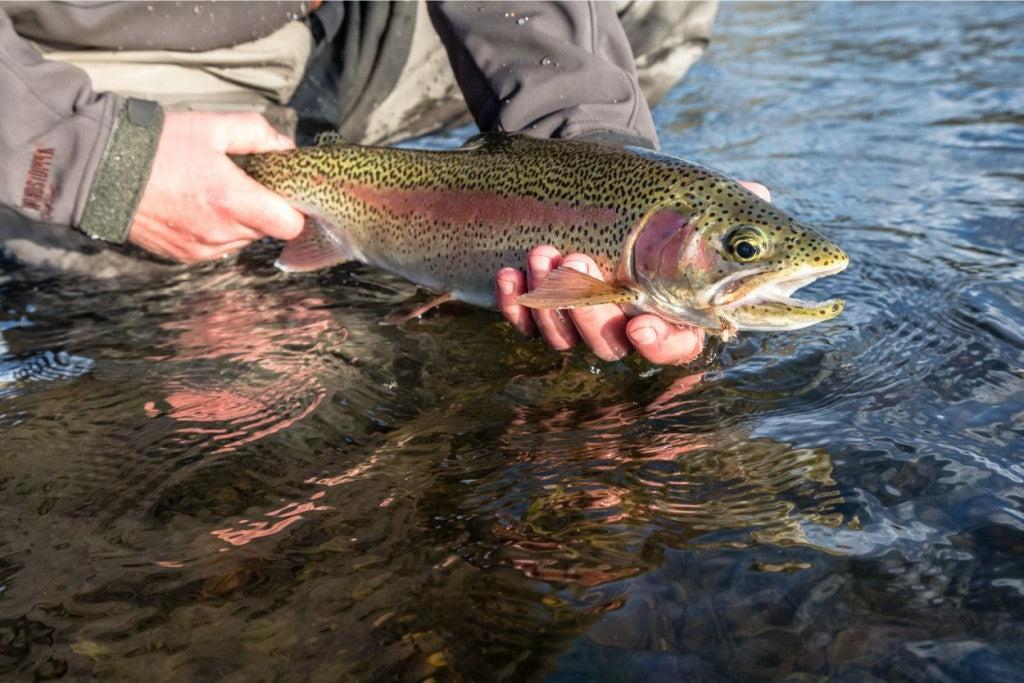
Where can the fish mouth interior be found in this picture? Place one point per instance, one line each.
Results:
(767, 288)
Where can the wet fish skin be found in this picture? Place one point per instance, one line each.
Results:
(670, 236)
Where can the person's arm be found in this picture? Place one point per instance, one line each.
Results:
(70, 156)
(121, 170)
(559, 70)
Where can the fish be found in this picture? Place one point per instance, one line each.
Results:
(670, 236)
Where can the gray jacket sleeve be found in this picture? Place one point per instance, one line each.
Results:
(70, 156)
(549, 69)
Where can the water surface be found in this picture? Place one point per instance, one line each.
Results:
(232, 473)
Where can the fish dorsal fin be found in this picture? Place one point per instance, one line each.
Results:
(568, 288)
(496, 139)
(317, 246)
(329, 137)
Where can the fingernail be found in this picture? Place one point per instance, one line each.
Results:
(643, 336)
(576, 265)
(506, 286)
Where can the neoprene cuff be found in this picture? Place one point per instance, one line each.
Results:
(123, 172)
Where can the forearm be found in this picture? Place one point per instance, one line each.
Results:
(71, 156)
(549, 69)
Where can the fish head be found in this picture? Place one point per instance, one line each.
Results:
(727, 260)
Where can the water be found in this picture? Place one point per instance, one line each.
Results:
(230, 473)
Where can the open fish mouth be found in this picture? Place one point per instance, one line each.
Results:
(763, 300)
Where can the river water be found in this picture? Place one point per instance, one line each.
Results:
(231, 473)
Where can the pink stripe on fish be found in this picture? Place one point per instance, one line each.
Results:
(468, 206)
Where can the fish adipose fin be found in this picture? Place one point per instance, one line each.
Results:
(316, 247)
(398, 318)
(568, 288)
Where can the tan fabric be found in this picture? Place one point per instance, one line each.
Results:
(425, 98)
(247, 77)
(667, 38)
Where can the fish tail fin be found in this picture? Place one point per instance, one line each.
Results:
(319, 245)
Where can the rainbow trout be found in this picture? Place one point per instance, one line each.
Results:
(671, 237)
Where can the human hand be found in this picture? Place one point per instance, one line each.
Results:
(605, 328)
(198, 204)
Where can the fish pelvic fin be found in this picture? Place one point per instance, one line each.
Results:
(319, 245)
(401, 317)
(568, 288)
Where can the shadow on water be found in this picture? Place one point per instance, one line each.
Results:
(227, 472)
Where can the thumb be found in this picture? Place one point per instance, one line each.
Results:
(248, 133)
(663, 343)
(758, 189)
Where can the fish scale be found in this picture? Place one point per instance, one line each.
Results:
(449, 220)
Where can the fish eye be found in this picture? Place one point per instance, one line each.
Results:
(746, 244)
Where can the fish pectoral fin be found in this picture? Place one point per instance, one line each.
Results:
(317, 246)
(568, 288)
(398, 318)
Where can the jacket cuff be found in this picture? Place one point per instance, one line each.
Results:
(123, 171)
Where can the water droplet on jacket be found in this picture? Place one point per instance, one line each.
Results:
(196, 9)
(522, 20)
(545, 62)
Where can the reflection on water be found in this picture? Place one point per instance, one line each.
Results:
(238, 367)
(232, 470)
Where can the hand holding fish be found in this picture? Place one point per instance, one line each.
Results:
(604, 328)
(197, 204)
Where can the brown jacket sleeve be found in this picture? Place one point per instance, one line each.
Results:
(70, 156)
(549, 69)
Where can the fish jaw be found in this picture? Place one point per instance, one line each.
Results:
(763, 301)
